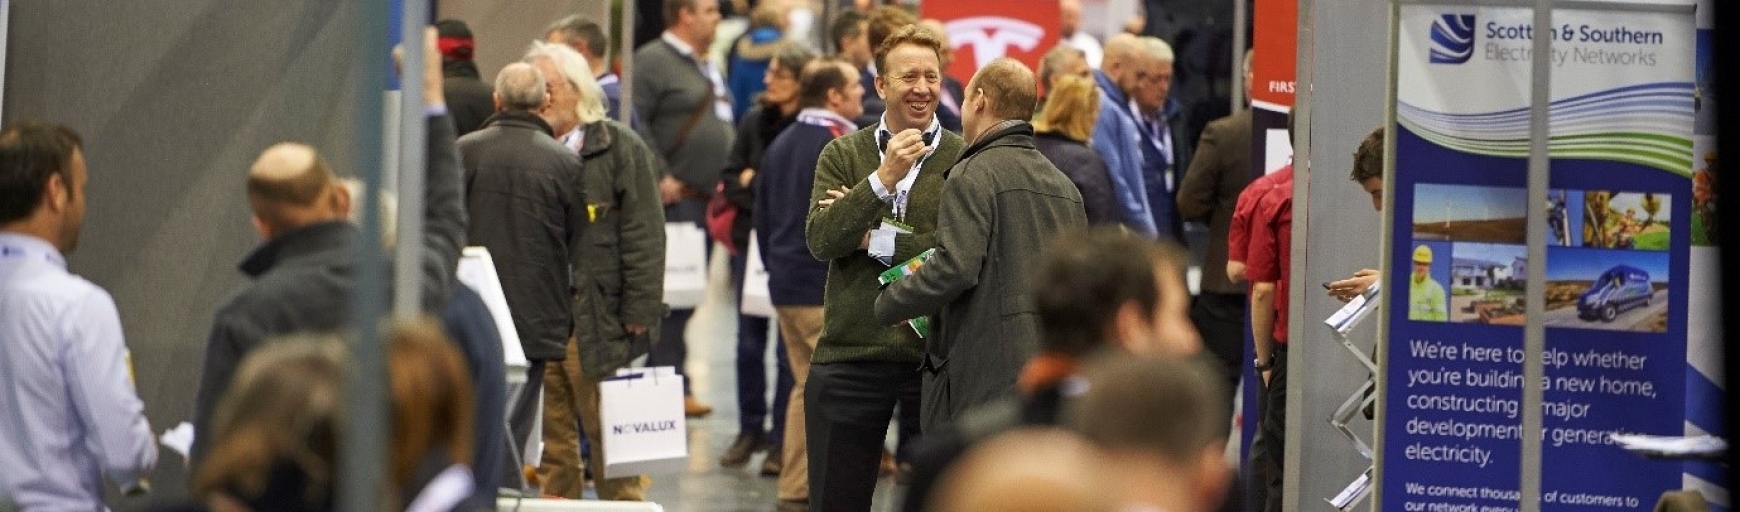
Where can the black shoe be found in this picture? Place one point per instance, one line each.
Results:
(746, 445)
(774, 463)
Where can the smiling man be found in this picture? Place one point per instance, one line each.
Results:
(892, 171)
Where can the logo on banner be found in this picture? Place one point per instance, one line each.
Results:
(992, 36)
(1452, 39)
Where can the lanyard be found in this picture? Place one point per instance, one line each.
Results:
(903, 189)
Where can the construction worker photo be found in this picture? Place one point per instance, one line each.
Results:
(1426, 299)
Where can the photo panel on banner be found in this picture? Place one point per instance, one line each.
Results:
(1624, 101)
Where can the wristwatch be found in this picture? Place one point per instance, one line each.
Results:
(1261, 365)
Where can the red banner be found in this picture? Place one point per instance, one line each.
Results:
(1276, 28)
(983, 30)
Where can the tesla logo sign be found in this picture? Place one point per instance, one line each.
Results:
(991, 36)
(1022, 30)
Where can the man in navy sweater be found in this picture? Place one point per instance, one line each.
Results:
(830, 95)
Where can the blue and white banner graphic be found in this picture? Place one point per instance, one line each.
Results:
(1621, 221)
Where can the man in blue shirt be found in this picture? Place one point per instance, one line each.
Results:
(67, 403)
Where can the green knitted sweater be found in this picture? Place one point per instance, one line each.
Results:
(850, 331)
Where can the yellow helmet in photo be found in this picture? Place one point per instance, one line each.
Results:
(1423, 255)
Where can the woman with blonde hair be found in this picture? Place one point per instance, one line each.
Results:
(1064, 127)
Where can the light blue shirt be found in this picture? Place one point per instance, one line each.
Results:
(68, 410)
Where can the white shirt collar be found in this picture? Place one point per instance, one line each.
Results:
(819, 116)
(682, 46)
(21, 245)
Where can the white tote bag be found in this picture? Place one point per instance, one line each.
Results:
(756, 301)
(645, 432)
(685, 265)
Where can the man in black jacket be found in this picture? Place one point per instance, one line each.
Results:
(304, 275)
(519, 191)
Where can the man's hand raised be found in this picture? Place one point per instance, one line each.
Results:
(903, 150)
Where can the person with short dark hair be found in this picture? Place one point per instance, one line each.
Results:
(1062, 60)
(1157, 421)
(467, 96)
(1368, 172)
(67, 400)
(586, 36)
(305, 272)
(865, 370)
(1001, 201)
(828, 91)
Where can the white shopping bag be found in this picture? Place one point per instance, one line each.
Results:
(685, 265)
(756, 301)
(645, 432)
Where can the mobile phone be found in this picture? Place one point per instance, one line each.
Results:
(1326, 285)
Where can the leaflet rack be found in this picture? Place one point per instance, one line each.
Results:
(1343, 321)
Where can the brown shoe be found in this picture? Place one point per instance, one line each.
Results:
(792, 506)
(695, 408)
(774, 462)
(742, 448)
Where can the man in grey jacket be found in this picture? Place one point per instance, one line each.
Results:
(686, 113)
(1000, 202)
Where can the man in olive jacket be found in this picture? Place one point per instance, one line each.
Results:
(862, 367)
(1002, 200)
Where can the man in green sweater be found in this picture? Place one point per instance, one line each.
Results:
(877, 192)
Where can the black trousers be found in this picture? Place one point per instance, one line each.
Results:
(1267, 452)
(1220, 318)
(846, 411)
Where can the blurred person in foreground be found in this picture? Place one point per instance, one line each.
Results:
(70, 413)
(305, 271)
(1095, 291)
(1159, 421)
(277, 431)
(1001, 201)
(1028, 470)
(1062, 131)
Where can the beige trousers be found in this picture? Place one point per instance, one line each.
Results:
(801, 327)
(567, 391)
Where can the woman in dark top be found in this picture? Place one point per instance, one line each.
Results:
(1064, 128)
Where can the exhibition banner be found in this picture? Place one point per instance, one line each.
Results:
(1620, 230)
(981, 31)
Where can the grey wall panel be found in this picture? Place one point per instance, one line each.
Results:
(1344, 50)
(174, 99)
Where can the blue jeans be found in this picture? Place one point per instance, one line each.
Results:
(752, 350)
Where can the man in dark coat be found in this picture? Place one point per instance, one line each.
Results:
(305, 273)
(1219, 171)
(1002, 200)
(469, 99)
(519, 191)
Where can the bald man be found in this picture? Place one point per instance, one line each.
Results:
(1001, 200)
(304, 273)
(1038, 470)
(1069, 31)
